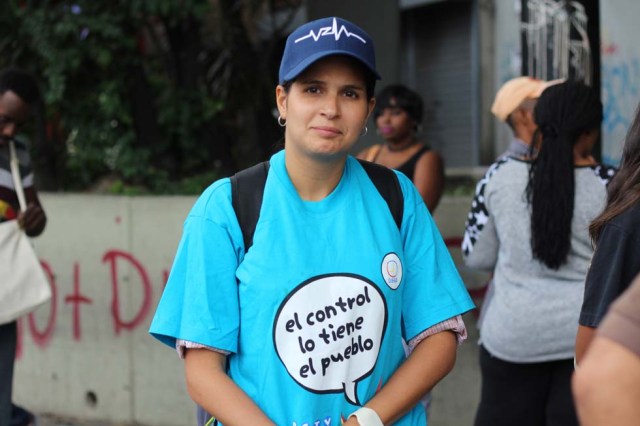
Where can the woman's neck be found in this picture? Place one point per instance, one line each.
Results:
(401, 145)
(582, 157)
(314, 180)
(584, 161)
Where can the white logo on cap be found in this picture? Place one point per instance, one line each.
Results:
(332, 30)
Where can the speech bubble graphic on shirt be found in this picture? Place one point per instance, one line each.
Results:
(328, 333)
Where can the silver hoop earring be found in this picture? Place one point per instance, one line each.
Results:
(282, 121)
(364, 131)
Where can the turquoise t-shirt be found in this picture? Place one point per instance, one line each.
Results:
(314, 313)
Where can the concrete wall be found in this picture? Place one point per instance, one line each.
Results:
(87, 353)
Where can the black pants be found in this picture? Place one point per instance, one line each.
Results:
(537, 394)
(8, 341)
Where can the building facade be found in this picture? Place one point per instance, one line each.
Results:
(457, 53)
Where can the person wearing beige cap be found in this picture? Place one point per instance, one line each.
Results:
(514, 105)
(528, 224)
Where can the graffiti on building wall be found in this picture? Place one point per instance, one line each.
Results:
(73, 299)
(510, 64)
(42, 329)
(620, 96)
(556, 40)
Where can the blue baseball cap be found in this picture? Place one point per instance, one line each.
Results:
(325, 37)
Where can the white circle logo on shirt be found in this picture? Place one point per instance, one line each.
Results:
(392, 270)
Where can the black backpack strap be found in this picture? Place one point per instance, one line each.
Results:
(388, 186)
(247, 189)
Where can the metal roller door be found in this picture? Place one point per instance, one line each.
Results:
(438, 64)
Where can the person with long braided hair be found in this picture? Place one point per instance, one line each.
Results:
(529, 224)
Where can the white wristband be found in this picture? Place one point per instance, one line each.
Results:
(367, 417)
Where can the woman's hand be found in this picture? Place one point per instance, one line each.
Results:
(431, 360)
(32, 220)
(352, 421)
(209, 386)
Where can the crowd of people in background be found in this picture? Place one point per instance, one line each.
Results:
(559, 328)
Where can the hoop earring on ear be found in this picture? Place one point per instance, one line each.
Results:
(282, 121)
(365, 130)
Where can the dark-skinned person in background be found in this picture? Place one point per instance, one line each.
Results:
(529, 225)
(18, 94)
(398, 120)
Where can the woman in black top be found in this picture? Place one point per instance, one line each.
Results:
(398, 114)
(616, 233)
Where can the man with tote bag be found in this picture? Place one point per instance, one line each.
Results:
(20, 214)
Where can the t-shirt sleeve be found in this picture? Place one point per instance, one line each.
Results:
(434, 291)
(200, 301)
(480, 242)
(613, 266)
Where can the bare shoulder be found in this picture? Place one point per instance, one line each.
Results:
(363, 153)
(430, 159)
(369, 153)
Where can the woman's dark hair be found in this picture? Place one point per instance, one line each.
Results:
(369, 79)
(399, 96)
(624, 188)
(563, 113)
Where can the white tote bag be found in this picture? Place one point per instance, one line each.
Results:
(23, 284)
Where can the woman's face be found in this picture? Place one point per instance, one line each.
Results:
(325, 108)
(394, 124)
(13, 113)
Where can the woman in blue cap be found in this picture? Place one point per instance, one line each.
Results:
(305, 325)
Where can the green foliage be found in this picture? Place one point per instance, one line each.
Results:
(115, 105)
(148, 96)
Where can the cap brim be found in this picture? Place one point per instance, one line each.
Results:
(303, 65)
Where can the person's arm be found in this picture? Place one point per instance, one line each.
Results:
(613, 266)
(33, 219)
(606, 385)
(480, 243)
(431, 360)
(583, 340)
(210, 387)
(429, 178)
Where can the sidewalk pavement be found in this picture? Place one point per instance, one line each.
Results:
(47, 420)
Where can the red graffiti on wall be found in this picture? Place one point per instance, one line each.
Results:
(119, 324)
(76, 299)
(42, 338)
(42, 334)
